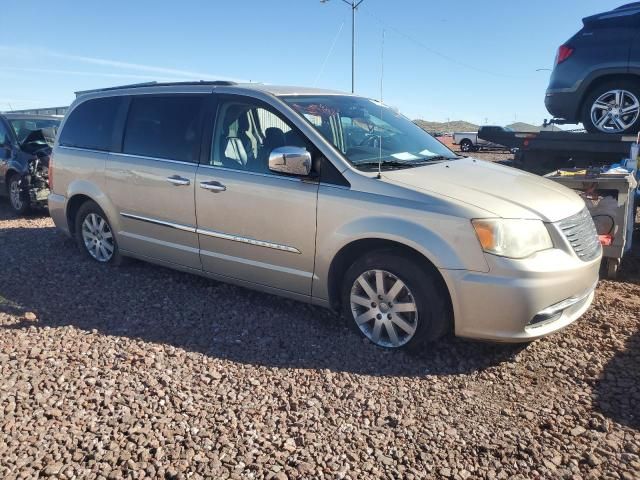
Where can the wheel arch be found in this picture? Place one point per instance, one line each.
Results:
(73, 205)
(350, 252)
(81, 192)
(600, 79)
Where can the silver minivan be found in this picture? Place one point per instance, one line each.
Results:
(327, 198)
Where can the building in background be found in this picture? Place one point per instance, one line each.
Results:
(41, 111)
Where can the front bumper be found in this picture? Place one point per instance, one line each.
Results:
(522, 300)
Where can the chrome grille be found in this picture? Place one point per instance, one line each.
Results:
(581, 233)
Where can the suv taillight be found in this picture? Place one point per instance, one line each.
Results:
(564, 52)
(50, 168)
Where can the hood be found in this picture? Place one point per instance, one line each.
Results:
(500, 191)
(38, 140)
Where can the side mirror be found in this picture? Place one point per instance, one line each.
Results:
(291, 160)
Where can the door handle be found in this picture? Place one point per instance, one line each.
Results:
(177, 180)
(213, 186)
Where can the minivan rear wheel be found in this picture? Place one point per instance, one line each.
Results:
(94, 235)
(394, 301)
(613, 107)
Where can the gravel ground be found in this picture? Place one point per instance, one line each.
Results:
(140, 371)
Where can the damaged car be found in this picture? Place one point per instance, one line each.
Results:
(25, 148)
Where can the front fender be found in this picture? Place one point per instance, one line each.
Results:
(447, 242)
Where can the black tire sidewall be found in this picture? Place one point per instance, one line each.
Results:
(628, 85)
(433, 317)
(86, 209)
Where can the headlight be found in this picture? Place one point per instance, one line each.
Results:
(512, 238)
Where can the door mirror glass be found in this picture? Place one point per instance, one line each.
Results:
(290, 160)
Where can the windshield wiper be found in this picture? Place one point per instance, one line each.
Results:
(385, 163)
(436, 158)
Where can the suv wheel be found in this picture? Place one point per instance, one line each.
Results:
(18, 203)
(466, 145)
(94, 235)
(393, 302)
(613, 108)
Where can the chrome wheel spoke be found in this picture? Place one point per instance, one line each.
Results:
(375, 334)
(366, 287)
(379, 283)
(600, 105)
(602, 122)
(404, 307)
(358, 300)
(391, 332)
(365, 317)
(618, 123)
(619, 97)
(403, 324)
(395, 290)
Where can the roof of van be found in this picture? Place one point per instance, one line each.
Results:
(277, 90)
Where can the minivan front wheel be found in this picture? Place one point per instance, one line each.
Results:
(393, 301)
(613, 108)
(94, 235)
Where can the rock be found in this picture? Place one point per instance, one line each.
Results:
(577, 431)
(53, 469)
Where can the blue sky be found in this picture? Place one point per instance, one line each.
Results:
(466, 59)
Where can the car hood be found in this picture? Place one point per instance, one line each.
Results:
(500, 191)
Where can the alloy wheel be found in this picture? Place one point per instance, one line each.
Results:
(14, 195)
(98, 238)
(615, 111)
(384, 308)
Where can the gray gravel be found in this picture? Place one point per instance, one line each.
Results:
(140, 371)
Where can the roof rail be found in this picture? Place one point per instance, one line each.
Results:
(158, 84)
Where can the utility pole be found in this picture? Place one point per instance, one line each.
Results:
(354, 4)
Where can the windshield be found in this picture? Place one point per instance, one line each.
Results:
(366, 131)
(24, 126)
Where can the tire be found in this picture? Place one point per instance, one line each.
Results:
(94, 235)
(466, 145)
(19, 205)
(604, 95)
(396, 327)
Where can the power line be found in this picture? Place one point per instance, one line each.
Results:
(335, 39)
(436, 52)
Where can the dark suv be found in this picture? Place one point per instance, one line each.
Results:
(25, 147)
(596, 79)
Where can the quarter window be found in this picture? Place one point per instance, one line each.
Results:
(164, 127)
(246, 133)
(90, 124)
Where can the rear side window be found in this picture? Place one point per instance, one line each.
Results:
(164, 127)
(90, 124)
